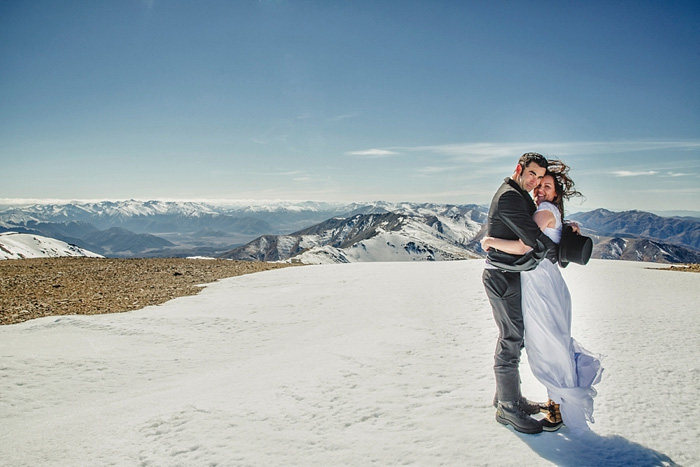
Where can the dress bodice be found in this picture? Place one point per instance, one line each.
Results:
(554, 233)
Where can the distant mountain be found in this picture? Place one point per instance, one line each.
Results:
(186, 224)
(164, 216)
(140, 216)
(286, 216)
(118, 242)
(407, 231)
(185, 228)
(325, 232)
(680, 213)
(643, 249)
(20, 245)
(675, 230)
(384, 232)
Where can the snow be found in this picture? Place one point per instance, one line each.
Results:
(413, 241)
(351, 364)
(15, 245)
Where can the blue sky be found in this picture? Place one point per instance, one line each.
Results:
(348, 101)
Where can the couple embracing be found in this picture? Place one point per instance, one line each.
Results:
(531, 302)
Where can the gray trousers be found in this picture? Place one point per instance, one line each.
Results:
(503, 290)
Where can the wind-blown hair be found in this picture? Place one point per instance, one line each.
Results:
(563, 184)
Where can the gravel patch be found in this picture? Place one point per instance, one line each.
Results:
(34, 288)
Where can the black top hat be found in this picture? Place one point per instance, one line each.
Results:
(574, 248)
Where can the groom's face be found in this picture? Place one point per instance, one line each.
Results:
(529, 177)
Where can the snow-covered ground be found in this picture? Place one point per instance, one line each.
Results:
(15, 245)
(354, 364)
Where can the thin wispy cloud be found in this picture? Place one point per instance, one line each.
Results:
(631, 173)
(338, 118)
(372, 153)
(490, 151)
(679, 174)
(473, 152)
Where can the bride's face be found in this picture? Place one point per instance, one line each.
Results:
(545, 191)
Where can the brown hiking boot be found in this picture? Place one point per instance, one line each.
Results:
(552, 421)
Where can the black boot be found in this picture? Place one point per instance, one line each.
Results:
(510, 413)
(528, 406)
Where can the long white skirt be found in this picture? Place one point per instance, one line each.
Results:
(558, 361)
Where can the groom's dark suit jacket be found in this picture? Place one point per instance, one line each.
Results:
(510, 217)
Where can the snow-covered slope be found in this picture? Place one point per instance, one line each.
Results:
(406, 232)
(409, 240)
(17, 246)
(358, 364)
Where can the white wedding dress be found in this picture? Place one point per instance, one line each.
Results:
(567, 370)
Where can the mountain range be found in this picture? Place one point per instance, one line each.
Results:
(134, 228)
(642, 236)
(312, 232)
(384, 232)
(676, 230)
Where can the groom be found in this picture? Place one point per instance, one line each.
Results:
(510, 217)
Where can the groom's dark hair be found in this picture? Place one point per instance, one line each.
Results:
(535, 157)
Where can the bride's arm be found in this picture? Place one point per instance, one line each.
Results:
(513, 247)
(544, 219)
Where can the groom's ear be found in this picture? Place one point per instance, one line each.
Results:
(518, 169)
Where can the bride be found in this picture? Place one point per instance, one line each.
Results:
(558, 361)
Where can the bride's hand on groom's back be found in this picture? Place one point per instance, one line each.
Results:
(575, 227)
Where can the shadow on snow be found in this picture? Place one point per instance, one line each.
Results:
(590, 449)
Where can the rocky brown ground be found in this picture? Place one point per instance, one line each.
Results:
(685, 267)
(32, 288)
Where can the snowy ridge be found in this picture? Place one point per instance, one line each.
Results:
(411, 238)
(19, 246)
(404, 232)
